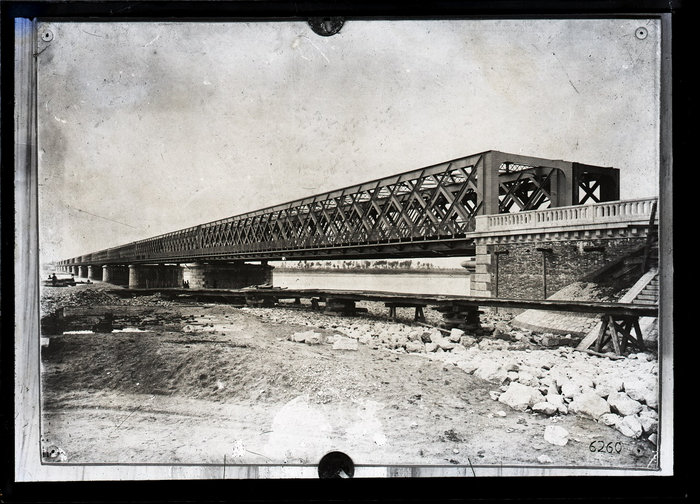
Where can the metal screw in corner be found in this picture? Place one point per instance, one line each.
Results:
(641, 33)
(47, 36)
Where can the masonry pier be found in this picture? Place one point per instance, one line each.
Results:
(226, 275)
(95, 273)
(154, 275)
(115, 274)
(209, 275)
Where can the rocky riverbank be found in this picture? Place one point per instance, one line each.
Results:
(532, 372)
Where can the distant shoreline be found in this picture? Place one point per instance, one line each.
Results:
(368, 271)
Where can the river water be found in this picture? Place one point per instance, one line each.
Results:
(411, 283)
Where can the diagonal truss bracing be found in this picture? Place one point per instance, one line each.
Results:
(434, 203)
(428, 209)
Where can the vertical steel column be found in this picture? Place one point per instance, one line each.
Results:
(487, 182)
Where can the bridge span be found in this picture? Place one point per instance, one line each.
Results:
(456, 208)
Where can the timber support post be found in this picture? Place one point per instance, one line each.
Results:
(618, 331)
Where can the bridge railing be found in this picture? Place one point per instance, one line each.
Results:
(627, 211)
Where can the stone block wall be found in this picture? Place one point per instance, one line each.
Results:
(518, 270)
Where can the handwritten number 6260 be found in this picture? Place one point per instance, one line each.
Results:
(601, 446)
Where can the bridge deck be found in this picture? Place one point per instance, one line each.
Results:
(596, 307)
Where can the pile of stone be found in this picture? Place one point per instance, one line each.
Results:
(623, 394)
(52, 299)
(542, 374)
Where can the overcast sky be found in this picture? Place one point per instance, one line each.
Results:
(146, 128)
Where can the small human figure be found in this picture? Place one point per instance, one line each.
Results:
(54, 279)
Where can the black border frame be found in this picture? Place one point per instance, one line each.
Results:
(434, 489)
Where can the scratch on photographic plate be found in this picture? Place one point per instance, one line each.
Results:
(157, 37)
(317, 48)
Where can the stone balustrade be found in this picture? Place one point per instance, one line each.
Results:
(627, 211)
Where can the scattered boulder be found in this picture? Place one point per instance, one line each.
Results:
(544, 459)
(455, 335)
(623, 404)
(528, 379)
(589, 404)
(610, 419)
(446, 344)
(431, 347)
(415, 347)
(459, 349)
(630, 426)
(415, 335)
(549, 340)
(607, 383)
(343, 343)
(652, 397)
(569, 389)
(545, 407)
(490, 371)
(502, 331)
(467, 341)
(558, 401)
(649, 419)
(511, 366)
(520, 397)
(636, 389)
(310, 337)
(556, 435)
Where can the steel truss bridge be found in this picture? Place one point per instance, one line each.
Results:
(425, 212)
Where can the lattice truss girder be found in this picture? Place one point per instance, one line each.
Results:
(589, 185)
(431, 205)
(439, 202)
(523, 187)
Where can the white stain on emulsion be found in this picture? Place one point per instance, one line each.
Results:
(299, 432)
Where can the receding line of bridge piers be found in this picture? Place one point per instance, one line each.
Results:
(82, 271)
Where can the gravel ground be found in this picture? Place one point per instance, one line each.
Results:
(273, 379)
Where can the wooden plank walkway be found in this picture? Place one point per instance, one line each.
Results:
(596, 307)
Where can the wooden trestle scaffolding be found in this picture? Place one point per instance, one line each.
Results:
(620, 320)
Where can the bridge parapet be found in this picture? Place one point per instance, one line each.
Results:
(630, 212)
(530, 255)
